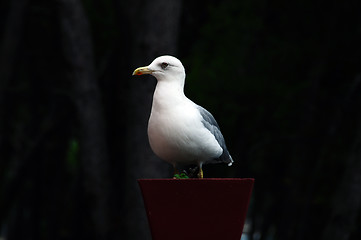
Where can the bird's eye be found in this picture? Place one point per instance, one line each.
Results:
(164, 65)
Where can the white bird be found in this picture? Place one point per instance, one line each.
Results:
(180, 131)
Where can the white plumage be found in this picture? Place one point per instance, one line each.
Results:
(180, 131)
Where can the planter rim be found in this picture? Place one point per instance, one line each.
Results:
(197, 179)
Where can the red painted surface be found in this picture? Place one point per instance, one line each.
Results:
(187, 209)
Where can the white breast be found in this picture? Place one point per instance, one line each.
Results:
(176, 132)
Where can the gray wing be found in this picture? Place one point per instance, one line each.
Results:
(211, 124)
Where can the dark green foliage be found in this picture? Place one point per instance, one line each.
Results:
(181, 176)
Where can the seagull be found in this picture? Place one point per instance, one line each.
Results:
(181, 132)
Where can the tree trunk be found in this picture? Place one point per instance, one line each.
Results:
(347, 199)
(154, 28)
(78, 51)
(8, 52)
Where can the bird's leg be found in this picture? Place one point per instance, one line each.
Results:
(200, 173)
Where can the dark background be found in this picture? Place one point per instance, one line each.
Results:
(282, 78)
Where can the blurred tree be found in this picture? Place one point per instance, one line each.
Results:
(78, 50)
(153, 30)
(36, 128)
(9, 51)
(346, 204)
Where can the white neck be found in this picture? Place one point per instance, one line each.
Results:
(167, 95)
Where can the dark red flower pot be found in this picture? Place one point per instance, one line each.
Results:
(210, 208)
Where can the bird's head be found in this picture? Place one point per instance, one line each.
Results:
(164, 68)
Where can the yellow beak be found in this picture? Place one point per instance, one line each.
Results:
(142, 70)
